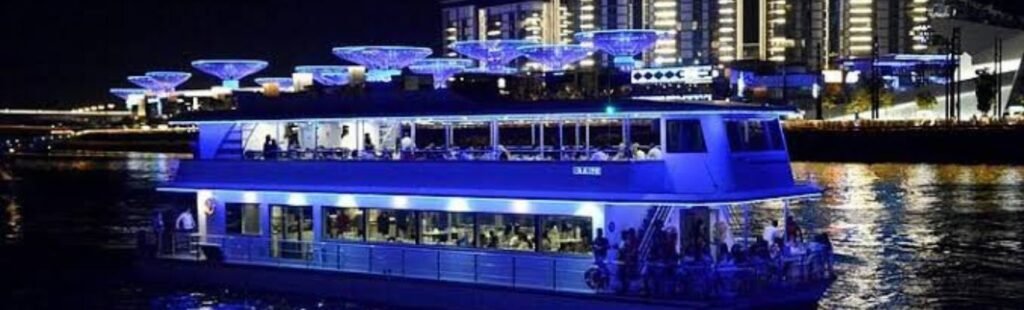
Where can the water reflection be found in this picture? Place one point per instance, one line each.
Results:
(921, 235)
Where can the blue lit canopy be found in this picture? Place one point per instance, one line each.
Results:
(169, 79)
(621, 44)
(146, 82)
(441, 69)
(282, 82)
(327, 75)
(230, 71)
(382, 62)
(124, 93)
(492, 54)
(555, 57)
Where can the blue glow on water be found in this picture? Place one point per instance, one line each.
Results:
(493, 55)
(124, 93)
(327, 75)
(441, 69)
(555, 57)
(230, 71)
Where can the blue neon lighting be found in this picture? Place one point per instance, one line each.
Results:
(124, 93)
(621, 44)
(556, 57)
(327, 75)
(230, 71)
(441, 69)
(146, 82)
(494, 55)
(382, 62)
(169, 79)
(282, 82)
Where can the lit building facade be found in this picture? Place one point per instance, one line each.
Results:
(899, 26)
(546, 21)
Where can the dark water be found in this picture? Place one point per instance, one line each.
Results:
(907, 235)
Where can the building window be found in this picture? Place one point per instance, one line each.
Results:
(343, 224)
(507, 232)
(684, 136)
(754, 135)
(447, 228)
(566, 234)
(242, 218)
(391, 226)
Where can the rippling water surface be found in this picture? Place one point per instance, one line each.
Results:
(907, 235)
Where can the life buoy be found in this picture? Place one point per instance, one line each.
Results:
(209, 205)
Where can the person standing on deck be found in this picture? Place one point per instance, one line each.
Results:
(185, 221)
(600, 247)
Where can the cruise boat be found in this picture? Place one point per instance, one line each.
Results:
(609, 196)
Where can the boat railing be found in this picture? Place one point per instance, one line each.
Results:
(556, 273)
(692, 279)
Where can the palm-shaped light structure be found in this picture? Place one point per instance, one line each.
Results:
(441, 69)
(493, 55)
(555, 57)
(149, 84)
(382, 62)
(285, 83)
(622, 45)
(230, 71)
(169, 80)
(327, 75)
(124, 93)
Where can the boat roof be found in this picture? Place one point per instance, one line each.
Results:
(309, 106)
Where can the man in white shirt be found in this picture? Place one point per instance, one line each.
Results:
(185, 221)
(772, 232)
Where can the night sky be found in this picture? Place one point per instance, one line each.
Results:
(67, 53)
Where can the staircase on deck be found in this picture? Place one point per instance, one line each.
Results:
(234, 142)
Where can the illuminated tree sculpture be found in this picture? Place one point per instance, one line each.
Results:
(493, 55)
(622, 45)
(327, 75)
(441, 69)
(230, 71)
(556, 57)
(169, 80)
(382, 62)
(149, 83)
(125, 93)
(281, 82)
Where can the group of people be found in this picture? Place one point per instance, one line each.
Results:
(661, 265)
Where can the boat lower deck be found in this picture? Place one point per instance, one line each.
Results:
(556, 278)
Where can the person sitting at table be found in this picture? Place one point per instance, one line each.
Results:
(637, 153)
(408, 148)
(654, 153)
(503, 153)
(599, 156)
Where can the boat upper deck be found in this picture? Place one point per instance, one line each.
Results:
(442, 105)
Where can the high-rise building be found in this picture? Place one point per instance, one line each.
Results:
(547, 21)
(899, 26)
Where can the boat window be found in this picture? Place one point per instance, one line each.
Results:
(291, 227)
(391, 226)
(507, 232)
(645, 139)
(566, 234)
(447, 228)
(343, 223)
(684, 136)
(754, 135)
(242, 218)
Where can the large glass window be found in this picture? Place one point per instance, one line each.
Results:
(446, 228)
(291, 228)
(343, 224)
(754, 135)
(684, 136)
(242, 218)
(566, 234)
(507, 232)
(391, 225)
